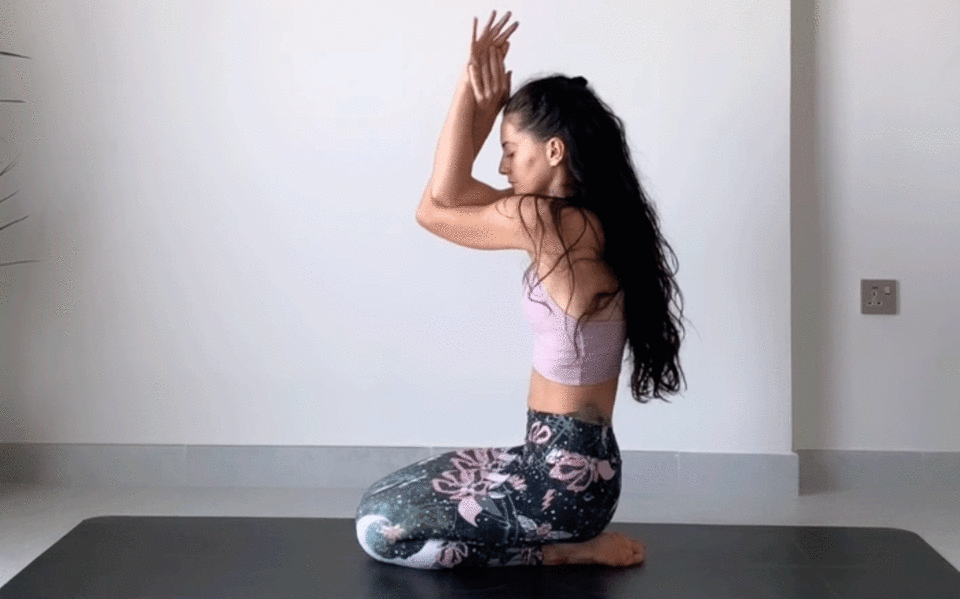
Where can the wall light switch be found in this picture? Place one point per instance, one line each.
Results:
(878, 296)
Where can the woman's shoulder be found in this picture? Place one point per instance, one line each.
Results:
(581, 228)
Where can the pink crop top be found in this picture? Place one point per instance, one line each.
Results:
(601, 342)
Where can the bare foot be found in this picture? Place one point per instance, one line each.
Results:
(608, 549)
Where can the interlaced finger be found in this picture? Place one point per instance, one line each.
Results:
(496, 68)
(500, 24)
(502, 38)
(492, 32)
(475, 82)
(494, 36)
(487, 76)
(493, 16)
(494, 71)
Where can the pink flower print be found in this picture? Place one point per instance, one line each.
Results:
(548, 498)
(481, 458)
(577, 470)
(542, 531)
(466, 486)
(533, 532)
(451, 554)
(539, 433)
(517, 482)
(461, 484)
(392, 533)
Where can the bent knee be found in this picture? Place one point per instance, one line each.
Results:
(373, 535)
(384, 541)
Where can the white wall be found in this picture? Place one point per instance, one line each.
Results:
(223, 197)
(881, 186)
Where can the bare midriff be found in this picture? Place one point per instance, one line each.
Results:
(590, 403)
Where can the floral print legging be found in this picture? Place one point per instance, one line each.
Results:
(496, 506)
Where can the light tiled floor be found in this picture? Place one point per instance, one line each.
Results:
(32, 517)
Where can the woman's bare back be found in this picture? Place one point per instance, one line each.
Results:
(587, 277)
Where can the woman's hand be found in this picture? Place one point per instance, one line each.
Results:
(490, 80)
(488, 76)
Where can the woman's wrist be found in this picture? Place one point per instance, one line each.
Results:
(463, 81)
(464, 92)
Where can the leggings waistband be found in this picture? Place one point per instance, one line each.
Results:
(531, 413)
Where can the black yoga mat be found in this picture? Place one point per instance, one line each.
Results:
(141, 557)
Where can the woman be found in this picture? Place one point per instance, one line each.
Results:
(545, 502)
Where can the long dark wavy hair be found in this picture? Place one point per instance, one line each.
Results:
(605, 183)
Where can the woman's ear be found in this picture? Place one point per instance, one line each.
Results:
(556, 150)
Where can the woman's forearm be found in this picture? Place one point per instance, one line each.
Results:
(481, 92)
(453, 162)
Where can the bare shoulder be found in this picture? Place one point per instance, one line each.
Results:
(581, 229)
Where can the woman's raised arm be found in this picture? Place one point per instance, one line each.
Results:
(471, 116)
